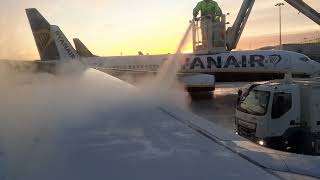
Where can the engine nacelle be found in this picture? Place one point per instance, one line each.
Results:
(199, 82)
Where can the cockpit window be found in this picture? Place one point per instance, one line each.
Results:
(304, 59)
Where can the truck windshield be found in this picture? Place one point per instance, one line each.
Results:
(255, 103)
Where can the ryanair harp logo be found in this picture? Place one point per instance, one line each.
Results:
(275, 59)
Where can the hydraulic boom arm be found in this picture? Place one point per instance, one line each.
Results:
(305, 9)
(234, 32)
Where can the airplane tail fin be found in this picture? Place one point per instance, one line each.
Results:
(52, 44)
(42, 35)
(140, 53)
(65, 49)
(82, 50)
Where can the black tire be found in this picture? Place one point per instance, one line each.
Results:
(300, 143)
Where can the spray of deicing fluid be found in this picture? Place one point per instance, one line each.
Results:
(167, 74)
(165, 86)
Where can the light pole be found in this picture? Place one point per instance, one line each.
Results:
(280, 22)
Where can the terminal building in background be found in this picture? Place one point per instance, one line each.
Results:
(311, 48)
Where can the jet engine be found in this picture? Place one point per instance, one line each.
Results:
(198, 82)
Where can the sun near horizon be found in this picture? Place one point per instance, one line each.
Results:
(112, 27)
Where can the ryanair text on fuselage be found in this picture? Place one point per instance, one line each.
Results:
(64, 44)
(231, 61)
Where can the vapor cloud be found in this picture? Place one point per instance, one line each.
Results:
(36, 109)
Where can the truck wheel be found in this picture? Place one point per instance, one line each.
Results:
(278, 144)
(300, 143)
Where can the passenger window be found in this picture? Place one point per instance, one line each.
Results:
(282, 103)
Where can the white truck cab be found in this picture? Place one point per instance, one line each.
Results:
(282, 114)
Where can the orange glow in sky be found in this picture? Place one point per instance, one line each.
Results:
(109, 27)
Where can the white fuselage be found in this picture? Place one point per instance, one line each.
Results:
(222, 64)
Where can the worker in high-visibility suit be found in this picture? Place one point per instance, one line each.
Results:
(208, 8)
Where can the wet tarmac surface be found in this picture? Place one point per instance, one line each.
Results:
(218, 107)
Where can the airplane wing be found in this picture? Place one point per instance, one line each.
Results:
(103, 128)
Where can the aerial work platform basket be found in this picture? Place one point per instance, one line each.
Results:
(209, 34)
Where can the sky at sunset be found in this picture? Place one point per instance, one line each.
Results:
(109, 27)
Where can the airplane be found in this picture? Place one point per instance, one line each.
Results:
(258, 65)
(118, 137)
(253, 65)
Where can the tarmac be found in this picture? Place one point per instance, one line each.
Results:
(218, 107)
